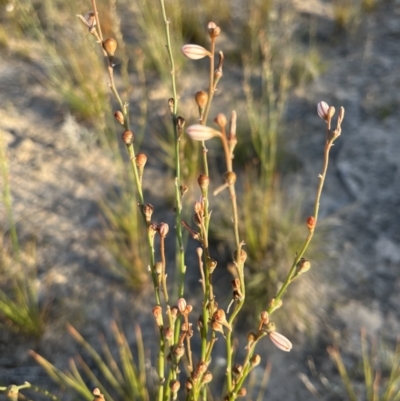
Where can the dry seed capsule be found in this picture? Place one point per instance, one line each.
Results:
(207, 377)
(230, 177)
(141, 160)
(110, 46)
(203, 181)
(127, 137)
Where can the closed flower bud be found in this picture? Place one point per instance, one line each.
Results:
(242, 392)
(230, 177)
(182, 305)
(201, 368)
(255, 360)
(174, 385)
(311, 222)
(168, 333)
(157, 313)
(331, 112)
(119, 117)
(141, 160)
(201, 98)
(264, 317)
(163, 229)
(221, 120)
(148, 211)
(207, 377)
(110, 46)
(302, 266)
(322, 110)
(280, 341)
(203, 181)
(195, 52)
(183, 189)
(237, 369)
(127, 137)
(213, 30)
(199, 132)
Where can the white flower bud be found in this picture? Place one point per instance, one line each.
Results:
(199, 132)
(195, 52)
(280, 341)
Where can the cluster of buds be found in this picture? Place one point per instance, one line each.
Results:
(218, 321)
(327, 112)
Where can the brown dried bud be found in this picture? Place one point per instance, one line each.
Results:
(127, 137)
(171, 104)
(168, 333)
(255, 360)
(251, 337)
(179, 351)
(242, 258)
(237, 369)
(203, 181)
(302, 266)
(141, 160)
(311, 222)
(148, 211)
(182, 305)
(174, 385)
(213, 30)
(235, 284)
(158, 268)
(174, 312)
(219, 316)
(201, 367)
(211, 265)
(242, 392)
(264, 317)
(207, 377)
(119, 117)
(201, 98)
(163, 229)
(221, 120)
(230, 177)
(183, 189)
(274, 305)
(188, 384)
(110, 46)
(98, 396)
(157, 313)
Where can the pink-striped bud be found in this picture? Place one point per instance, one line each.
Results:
(280, 341)
(195, 52)
(322, 110)
(199, 132)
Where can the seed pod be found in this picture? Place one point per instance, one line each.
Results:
(230, 178)
(201, 98)
(213, 30)
(141, 160)
(311, 222)
(148, 211)
(127, 137)
(255, 360)
(203, 181)
(119, 117)
(242, 392)
(174, 385)
(110, 46)
(207, 377)
(221, 120)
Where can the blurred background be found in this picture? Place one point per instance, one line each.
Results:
(70, 243)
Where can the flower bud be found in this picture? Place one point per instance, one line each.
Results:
(199, 132)
(110, 46)
(242, 392)
(311, 222)
(230, 177)
(213, 30)
(331, 112)
(127, 137)
(207, 377)
(195, 52)
(203, 181)
(157, 313)
(119, 117)
(302, 266)
(141, 160)
(201, 368)
(322, 110)
(183, 189)
(174, 385)
(201, 98)
(182, 305)
(255, 360)
(280, 341)
(148, 211)
(264, 317)
(237, 369)
(221, 120)
(163, 229)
